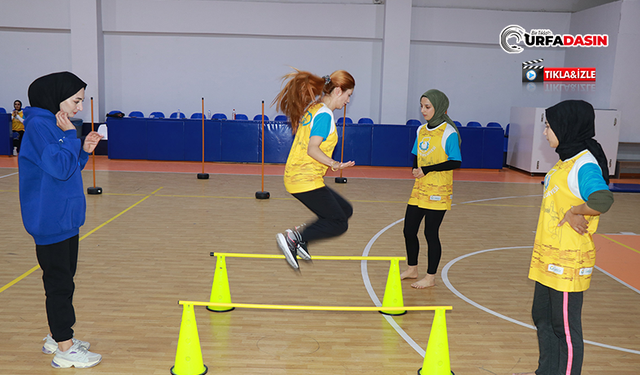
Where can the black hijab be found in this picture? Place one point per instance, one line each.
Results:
(49, 91)
(573, 123)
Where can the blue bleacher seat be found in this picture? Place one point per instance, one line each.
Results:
(156, 115)
(2, 110)
(473, 124)
(457, 124)
(282, 118)
(219, 116)
(365, 120)
(175, 115)
(197, 115)
(259, 118)
(493, 125)
(136, 114)
(413, 122)
(341, 120)
(241, 116)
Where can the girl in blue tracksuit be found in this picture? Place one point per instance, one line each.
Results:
(53, 205)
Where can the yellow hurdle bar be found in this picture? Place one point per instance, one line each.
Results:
(316, 308)
(315, 257)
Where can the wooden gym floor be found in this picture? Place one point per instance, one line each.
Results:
(146, 243)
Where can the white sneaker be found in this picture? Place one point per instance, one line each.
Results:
(77, 356)
(51, 346)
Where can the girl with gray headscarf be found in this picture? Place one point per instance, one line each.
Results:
(437, 154)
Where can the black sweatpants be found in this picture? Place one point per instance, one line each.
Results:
(432, 220)
(59, 262)
(558, 318)
(333, 213)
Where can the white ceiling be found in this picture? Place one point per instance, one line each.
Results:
(510, 5)
(515, 5)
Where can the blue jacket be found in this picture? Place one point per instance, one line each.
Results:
(50, 165)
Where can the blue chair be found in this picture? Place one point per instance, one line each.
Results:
(219, 116)
(156, 115)
(196, 115)
(342, 120)
(136, 114)
(457, 124)
(2, 110)
(241, 116)
(494, 125)
(413, 122)
(175, 115)
(281, 118)
(473, 124)
(114, 112)
(365, 120)
(259, 118)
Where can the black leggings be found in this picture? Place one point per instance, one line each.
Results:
(558, 318)
(59, 262)
(432, 220)
(333, 213)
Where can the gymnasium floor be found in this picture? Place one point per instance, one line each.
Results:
(146, 244)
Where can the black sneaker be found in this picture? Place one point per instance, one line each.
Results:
(301, 246)
(288, 248)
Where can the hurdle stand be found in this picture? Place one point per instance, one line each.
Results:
(220, 293)
(189, 353)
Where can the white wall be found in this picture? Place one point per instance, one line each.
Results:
(453, 52)
(626, 81)
(166, 55)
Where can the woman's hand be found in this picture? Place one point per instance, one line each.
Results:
(576, 221)
(63, 122)
(417, 172)
(337, 165)
(91, 141)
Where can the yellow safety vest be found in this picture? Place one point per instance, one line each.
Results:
(562, 259)
(302, 172)
(433, 191)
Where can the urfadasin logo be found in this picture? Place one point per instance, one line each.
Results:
(512, 31)
(546, 38)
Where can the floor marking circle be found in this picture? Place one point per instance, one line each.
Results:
(445, 279)
(445, 270)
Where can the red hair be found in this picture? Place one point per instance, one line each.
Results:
(303, 88)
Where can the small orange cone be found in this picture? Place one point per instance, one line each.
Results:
(189, 355)
(436, 359)
(393, 290)
(220, 290)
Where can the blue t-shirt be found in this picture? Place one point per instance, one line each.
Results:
(321, 126)
(452, 146)
(590, 180)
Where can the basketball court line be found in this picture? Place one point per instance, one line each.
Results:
(29, 272)
(445, 279)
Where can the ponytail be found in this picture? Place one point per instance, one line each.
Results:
(303, 88)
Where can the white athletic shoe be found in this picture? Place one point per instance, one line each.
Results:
(77, 356)
(51, 346)
(294, 238)
(289, 250)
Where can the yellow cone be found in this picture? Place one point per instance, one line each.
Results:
(188, 356)
(436, 359)
(220, 290)
(393, 290)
